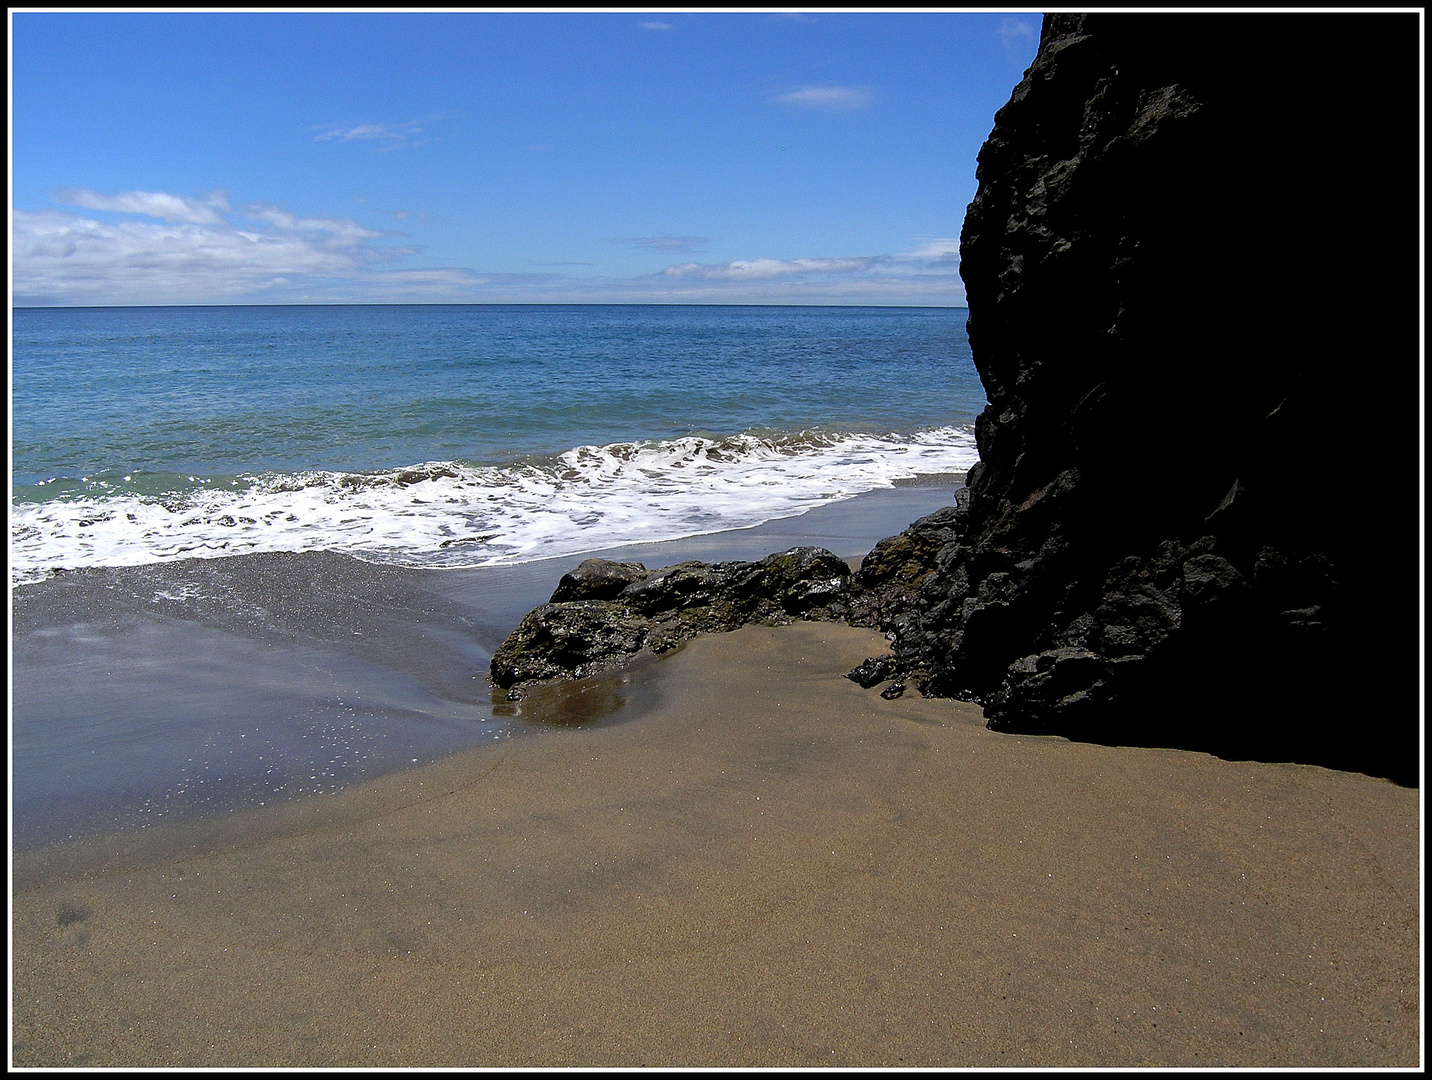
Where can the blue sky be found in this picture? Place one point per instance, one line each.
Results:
(488, 157)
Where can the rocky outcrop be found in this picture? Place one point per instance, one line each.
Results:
(604, 613)
(1191, 268)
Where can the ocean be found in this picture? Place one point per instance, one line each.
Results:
(260, 554)
(462, 436)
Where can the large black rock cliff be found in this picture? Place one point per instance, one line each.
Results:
(1192, 270)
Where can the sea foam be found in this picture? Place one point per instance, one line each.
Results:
(452, 514)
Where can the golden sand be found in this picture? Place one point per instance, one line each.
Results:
(766, 866)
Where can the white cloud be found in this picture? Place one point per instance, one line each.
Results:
(426, 285)
(656, 26)
(65, 258)
(397, 133)
(936, 290)
(757, 269)
(938, 249)
(926, 275)
(345, 230)
(1014, 32)
(151, 204)
(829, 98)
(391, 136)
(263, 254)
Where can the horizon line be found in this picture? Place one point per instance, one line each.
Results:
(474, 303)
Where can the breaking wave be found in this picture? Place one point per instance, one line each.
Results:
(463, 514)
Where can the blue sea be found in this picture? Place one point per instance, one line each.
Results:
(463, 436)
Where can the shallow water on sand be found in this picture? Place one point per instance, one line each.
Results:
(150, 695)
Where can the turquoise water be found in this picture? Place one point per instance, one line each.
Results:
(463, 435)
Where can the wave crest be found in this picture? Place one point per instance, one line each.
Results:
(455, 514)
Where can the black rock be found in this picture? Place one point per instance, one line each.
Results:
(598, 579)
(1191, 267)
(874, 671)
(572, 639)
(889, 579)
(603, 613)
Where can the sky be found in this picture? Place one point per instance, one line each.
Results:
(642, 156)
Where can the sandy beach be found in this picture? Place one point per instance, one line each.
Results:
(340, 343)
(750, 861)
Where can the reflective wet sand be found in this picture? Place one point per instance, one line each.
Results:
(149, 695)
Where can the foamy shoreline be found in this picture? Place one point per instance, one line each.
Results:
(460, 515)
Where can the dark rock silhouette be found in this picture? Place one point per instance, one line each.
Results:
(1192, 271)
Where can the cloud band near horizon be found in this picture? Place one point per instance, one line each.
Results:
(202, 251)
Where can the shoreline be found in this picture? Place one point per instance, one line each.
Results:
(176, 692)
(758, 865)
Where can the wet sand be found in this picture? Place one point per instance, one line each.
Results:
(145, 695)
(753, 862)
